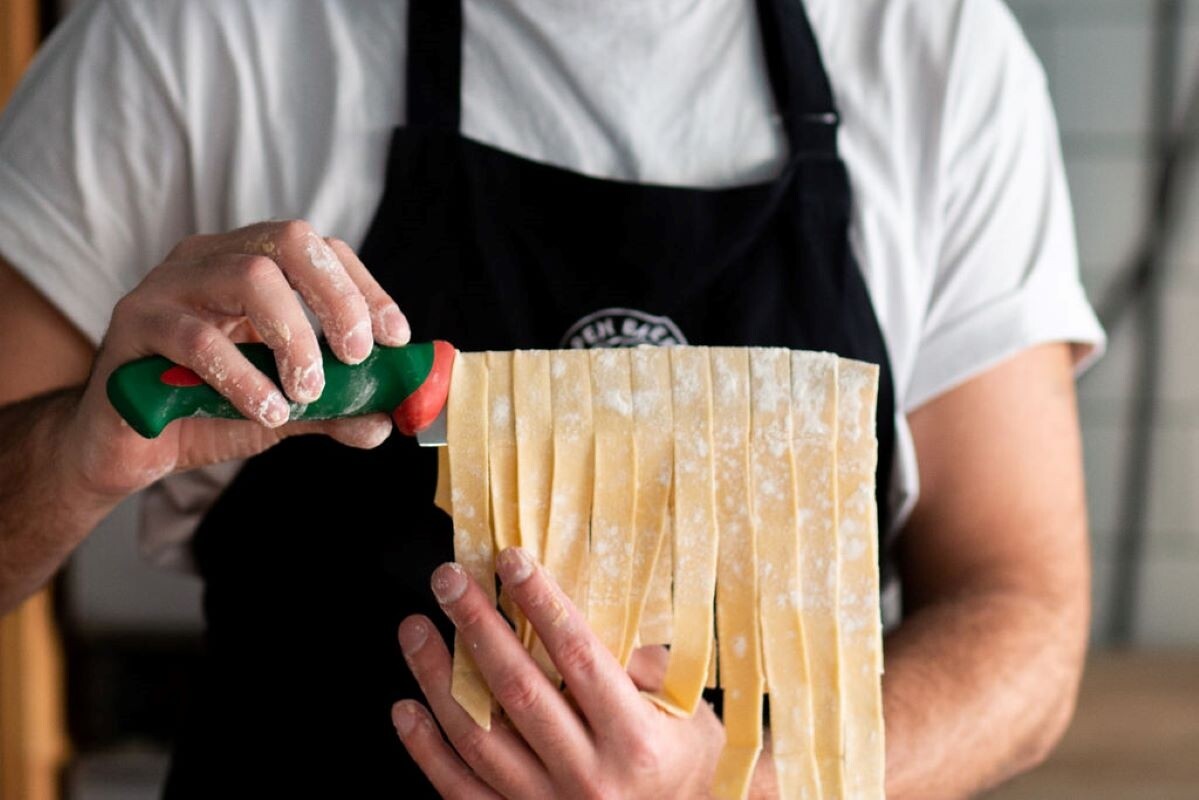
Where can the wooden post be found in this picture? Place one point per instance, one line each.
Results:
(18, 41)
(33, 741)
(32, 736)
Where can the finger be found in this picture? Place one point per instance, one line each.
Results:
(450, 777)
(601, 687)
(201, 347)
(255, 287)
(498, 755)
(235, 439)
(534, 704)
(321, 279)
(389, 323)
(240, 331)
(647, 667)
(365, 433)
(312, 269)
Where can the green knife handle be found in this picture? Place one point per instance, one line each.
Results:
(409, 382)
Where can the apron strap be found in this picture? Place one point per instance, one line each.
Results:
(434, 64)
(797, 76)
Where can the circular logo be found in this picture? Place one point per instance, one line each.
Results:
(622, 327)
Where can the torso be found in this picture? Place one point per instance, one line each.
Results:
(494, 251)
(587, 104)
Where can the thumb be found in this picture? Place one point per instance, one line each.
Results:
(365, 432)
(647, 667)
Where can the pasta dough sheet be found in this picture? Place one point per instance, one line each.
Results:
(721, 501)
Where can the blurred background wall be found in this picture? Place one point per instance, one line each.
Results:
(1099, 58)
(132, 631)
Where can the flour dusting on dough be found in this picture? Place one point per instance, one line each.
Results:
(501, 413)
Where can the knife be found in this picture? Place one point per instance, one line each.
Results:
(411, 383)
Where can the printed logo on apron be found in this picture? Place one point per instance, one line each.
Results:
(622, 327)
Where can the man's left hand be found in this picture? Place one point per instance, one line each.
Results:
(603, 740)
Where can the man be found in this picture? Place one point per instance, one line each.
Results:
(881, 179)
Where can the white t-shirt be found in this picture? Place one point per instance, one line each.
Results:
(144, 121)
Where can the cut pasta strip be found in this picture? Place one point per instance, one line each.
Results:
(502, 450)
(652, 426)
(736, 577)
(713, 679)
(505, 519)
(611, 559)
(814, 428)
(467, 435)
(441, 495)
(533, 408)
(573, 476)
(657, 619)
(533, 412)
(776, 522)
(695, 534)
(859, 609)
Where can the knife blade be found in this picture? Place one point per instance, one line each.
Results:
(435, 434)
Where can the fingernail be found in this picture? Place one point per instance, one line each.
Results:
(514, 566)
(449, 583)
(413, 634)
(273, 411)
(396, 325)
(314, 379)
(404, 718)
(359, 341)
(311, 382)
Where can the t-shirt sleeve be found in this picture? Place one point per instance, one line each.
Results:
(1007, 264)
(93, 168)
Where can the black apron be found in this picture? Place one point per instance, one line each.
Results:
(315, 552)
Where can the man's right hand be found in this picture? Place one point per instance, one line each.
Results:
(210, 293)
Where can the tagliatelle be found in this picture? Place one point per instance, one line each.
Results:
(566, 546)
(736, 577)
(501, 460)
(695, 535)
(652, 426)
(814, 435)
(658, 617)
(858, 608)
(720, 501)
(467, 433)
(532, 413)
(611, 564)
(776, 518)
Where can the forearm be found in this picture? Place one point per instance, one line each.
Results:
(44, 511)
(979, 688)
